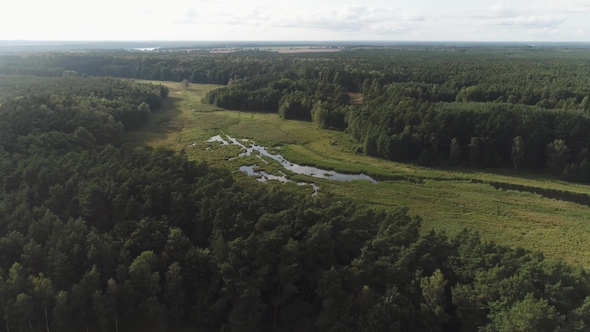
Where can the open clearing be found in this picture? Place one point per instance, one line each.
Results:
(447, 200)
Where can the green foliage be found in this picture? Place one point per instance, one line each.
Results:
(455, 150)
(319, 115)
(434, 305)
(517, 152)
(528, 315)
(175, 296)
(295, 106)
(97, 234)
(184, 83)
(490, 94)
(474, 151)
(370, 147)
(557, 156)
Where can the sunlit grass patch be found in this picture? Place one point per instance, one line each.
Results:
(446, 199)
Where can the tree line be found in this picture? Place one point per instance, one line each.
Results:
(475, 135)
(426, 105)
(127, 103)
(293, 99)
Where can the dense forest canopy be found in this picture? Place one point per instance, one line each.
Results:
(520, 107)
(98, 235)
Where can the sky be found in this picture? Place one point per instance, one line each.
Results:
(298, 20)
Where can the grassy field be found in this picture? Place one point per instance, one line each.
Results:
(447, 200)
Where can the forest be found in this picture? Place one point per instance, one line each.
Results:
(97, 234)
(514, 107)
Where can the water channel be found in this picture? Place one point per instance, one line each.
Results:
(295, 168)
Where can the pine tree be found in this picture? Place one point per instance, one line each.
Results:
(44, 294)
(174, 292)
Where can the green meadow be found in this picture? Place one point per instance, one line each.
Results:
(446, 199)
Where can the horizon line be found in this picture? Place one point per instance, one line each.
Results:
(295, 41)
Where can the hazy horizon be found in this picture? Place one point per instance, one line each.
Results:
(304, 20)
(300, 42)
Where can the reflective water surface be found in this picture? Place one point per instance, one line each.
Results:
(263, 177)
(295, 168)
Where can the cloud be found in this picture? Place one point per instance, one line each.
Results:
(389, 28)
(511, 17)
(564, 6)
(341, 19)
(189, 18)
(543, 32)
(377, 20)
(465, 31)
(538, 22)
(494, 12)
(307, 20)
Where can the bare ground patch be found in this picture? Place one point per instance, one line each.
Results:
(356, 98)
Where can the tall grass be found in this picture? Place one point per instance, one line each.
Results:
(446, 199)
